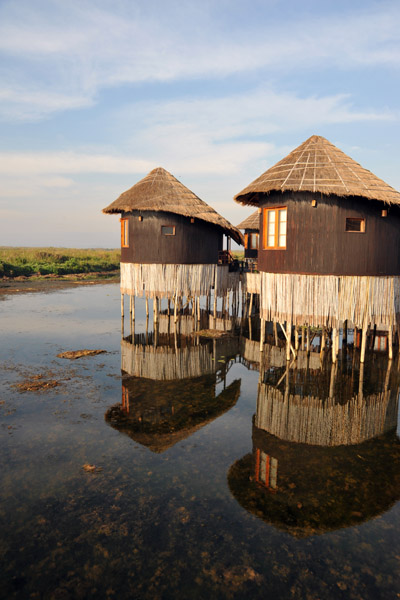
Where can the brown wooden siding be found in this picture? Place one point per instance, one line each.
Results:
(193, 243)
(317, 241)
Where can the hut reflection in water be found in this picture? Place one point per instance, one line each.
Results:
(172, 385)
(325, 450)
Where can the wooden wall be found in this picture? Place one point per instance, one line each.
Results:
(193, 243)
(317, 242)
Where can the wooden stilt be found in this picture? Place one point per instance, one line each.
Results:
(390, 343)
(169, 307)
(361, 378)
(344, 337)
(250, 330)
(363, 342)
(198, 308)
(334, 348)
(122, 305)
(215, 293)
(288, 339)
(296, 339)
(303, 335)
(175, 308)
(133, 307)
(262, 335)
(308, 340)
(332, 381)
(275, 333)
(250, 305)
(147, 308)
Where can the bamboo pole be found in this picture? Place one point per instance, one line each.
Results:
(198, 308)
(308, 339)
(390, 343)
(334, 348)
(175, 308)
(262, 335)
(250, 304)
(303, 335)
(133, 308)
(215, 293)
(363, 342)
(275, 333)
(288, 339)
(122, 306)
(296, 338)
(147, 308)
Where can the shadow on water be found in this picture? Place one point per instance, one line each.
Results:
(217, 471)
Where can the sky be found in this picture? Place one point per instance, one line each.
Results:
(95, 94)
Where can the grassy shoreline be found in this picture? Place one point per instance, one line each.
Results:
(43, 263)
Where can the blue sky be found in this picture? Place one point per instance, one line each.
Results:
(94, 94)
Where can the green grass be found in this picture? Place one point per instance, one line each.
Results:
(17, 261)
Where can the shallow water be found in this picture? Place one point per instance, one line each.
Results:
(180, 503)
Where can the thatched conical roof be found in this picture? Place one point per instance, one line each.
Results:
(161, 191)
(318, 166)
(252, 222)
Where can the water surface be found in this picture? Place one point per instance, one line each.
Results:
(214, 476)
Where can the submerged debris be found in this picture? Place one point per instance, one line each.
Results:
(37, 383)
(73, 354)
(91, 468)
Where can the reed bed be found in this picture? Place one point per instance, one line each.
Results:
(311, 420)
(17, 261)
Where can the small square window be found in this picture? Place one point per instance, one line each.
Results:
(355, 225)
(167, 230)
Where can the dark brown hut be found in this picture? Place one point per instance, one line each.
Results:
(251, 227)
(162, 221)
(329, 239)
(170, 241)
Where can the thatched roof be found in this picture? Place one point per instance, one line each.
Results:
(161, 191)
(318, 166)
(252, 222)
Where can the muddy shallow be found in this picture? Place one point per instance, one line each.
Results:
(156, 517)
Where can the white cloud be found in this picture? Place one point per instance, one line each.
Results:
(60, 56)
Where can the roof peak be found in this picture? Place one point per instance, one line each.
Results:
(317, 165)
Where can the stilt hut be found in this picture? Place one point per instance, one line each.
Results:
(251, 227)
(329, 240)
(170, 241)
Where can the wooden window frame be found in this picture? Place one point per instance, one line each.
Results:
(124, 233)
(275, 209)
(250, 242)
(361, 220)
(169, 226)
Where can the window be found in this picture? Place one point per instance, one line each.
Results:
(274, 228)
(167, 229)
(251, 241)
(124, 233)
(355, 225)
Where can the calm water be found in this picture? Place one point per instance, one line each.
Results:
(213, 476)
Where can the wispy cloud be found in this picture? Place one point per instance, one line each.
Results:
(60, 56)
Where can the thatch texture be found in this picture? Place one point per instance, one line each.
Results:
(161, 191)
(311, 420)
(252, 222)
(328, 300)
(318, 166)
(163, 281)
